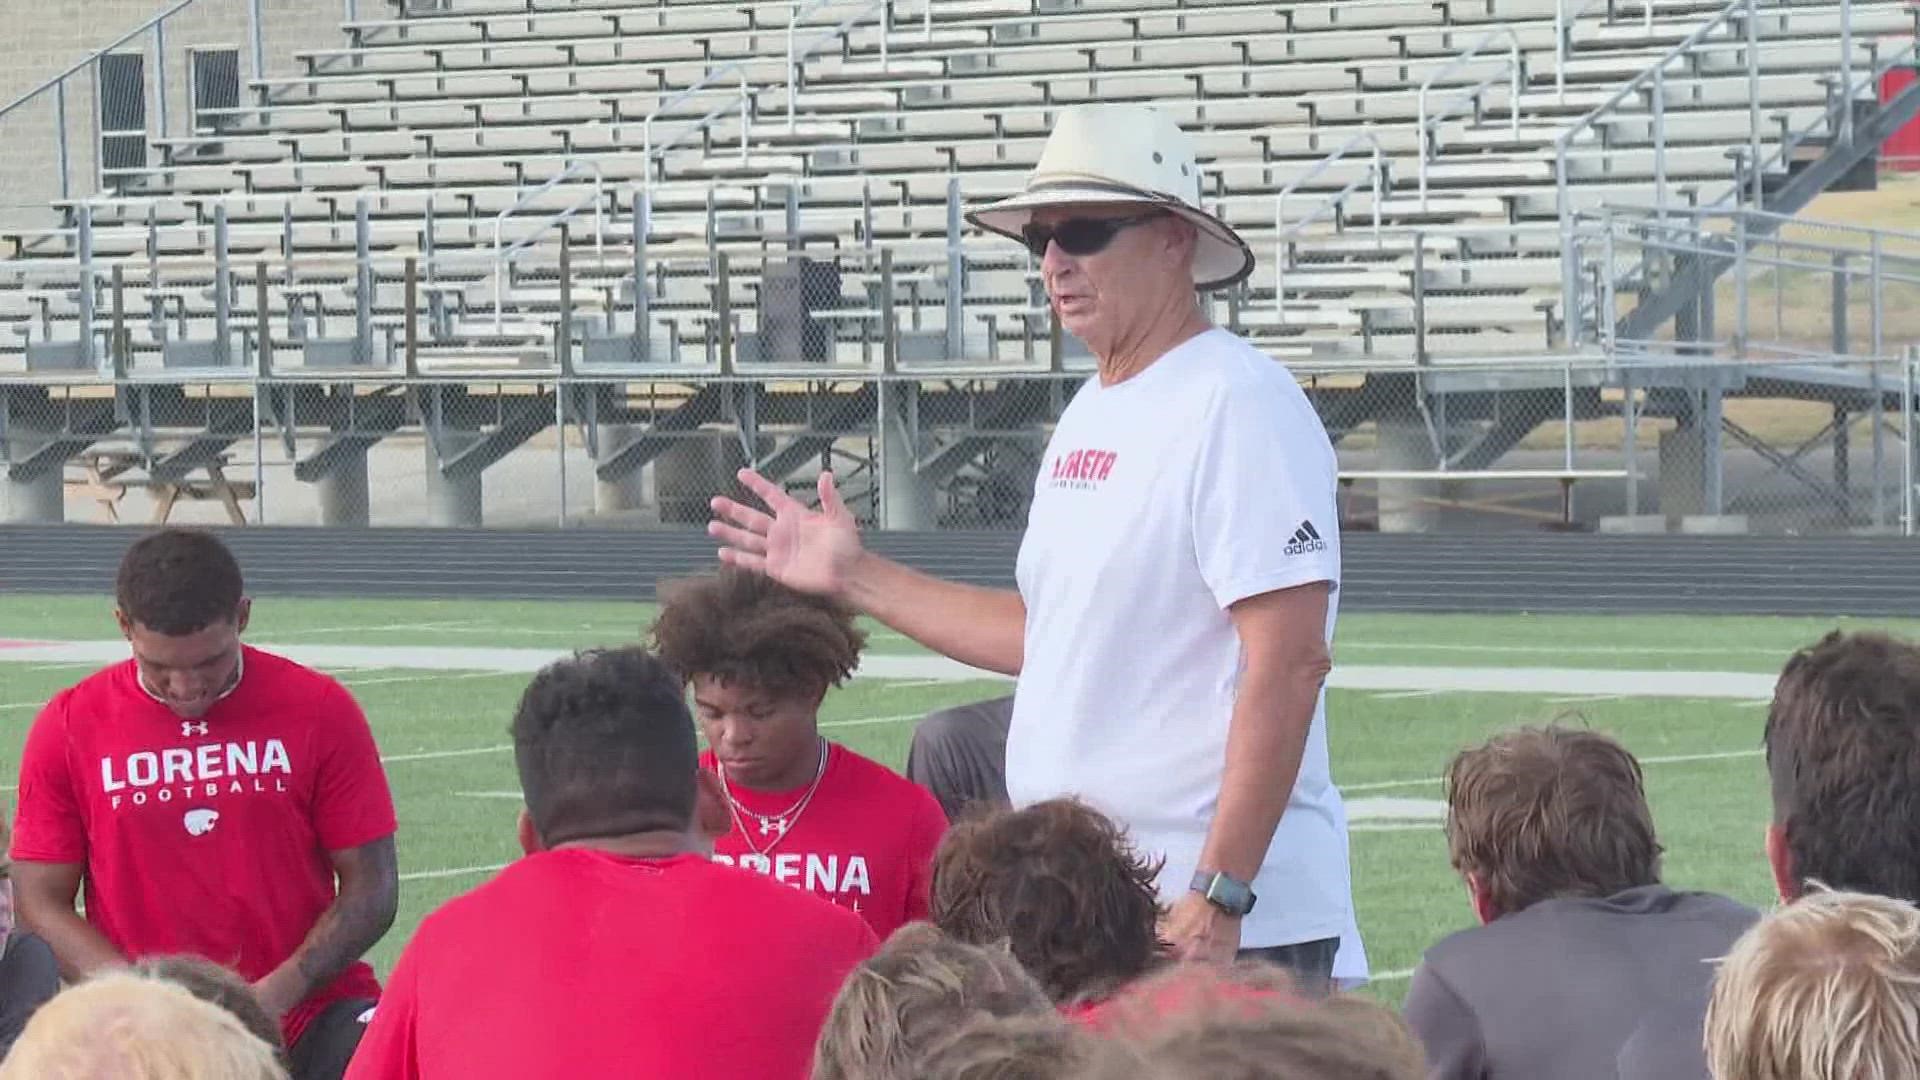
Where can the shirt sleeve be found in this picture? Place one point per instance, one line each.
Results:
(1446, 1028)
(930, 825)
(390, 1047)
(48, 824)
(1264, 496)
(352, 802)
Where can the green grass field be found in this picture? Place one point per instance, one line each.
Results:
(444, 732)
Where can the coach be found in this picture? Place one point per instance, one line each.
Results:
(1177, 577)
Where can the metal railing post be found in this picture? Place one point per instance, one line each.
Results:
(1878, 412)
(642, 300)
(889, 323)
(926, 22)
(793, 15)
(1630, 448)
(86, 314)
(410, 354)
(1658, 110)
(117, 342)
(256, 39)
(222, 287)
(723, 285)
(956, 276)
(1846, 72)
(886, 31)
(1567, 413)
(363, 280)
(1907, 448)
(1753, 100)
(262, 323)
(60, 123)
(160, 75)
(1560, 50)
(1569, 267)
(1877, 283)
(93, 119)
(1742, 331)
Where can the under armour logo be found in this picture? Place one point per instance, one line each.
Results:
(189, 727)
(200, 822)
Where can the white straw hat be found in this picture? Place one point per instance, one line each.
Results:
(1123, 154)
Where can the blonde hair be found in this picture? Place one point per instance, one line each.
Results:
(1827, 988)
(1033, 1046)
(920, 987)
(129, 1027)
(1246, 1023)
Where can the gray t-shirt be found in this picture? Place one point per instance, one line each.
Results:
(1554, 992)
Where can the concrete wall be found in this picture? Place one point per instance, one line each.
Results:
(40, 38)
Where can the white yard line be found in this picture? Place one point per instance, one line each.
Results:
(1392, 976)
(436, 755)
(488, 794)
(1715, 685)
(383, 628)
(437, 676)
(1398, 695)
(21, 705)
(1568, 649)
(458, 871)
(869, 721)
(1582, 699)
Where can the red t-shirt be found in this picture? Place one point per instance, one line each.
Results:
(207, 836)
(581, 963)
(865, 841)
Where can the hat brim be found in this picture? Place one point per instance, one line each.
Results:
(1220, 257)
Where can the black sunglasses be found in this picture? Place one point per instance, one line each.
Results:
(1079, 236)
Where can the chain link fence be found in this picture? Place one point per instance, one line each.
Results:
(1654, 444)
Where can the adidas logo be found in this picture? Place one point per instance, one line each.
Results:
(1305, 538)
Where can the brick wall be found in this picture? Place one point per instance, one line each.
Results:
(39, 38)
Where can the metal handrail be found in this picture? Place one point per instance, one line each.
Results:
(839, 30)
(502, 258)
(1515, 73)
(1284, 233)
(1654, 73)
(1843, 105)
(1563, 21)
(94, 55)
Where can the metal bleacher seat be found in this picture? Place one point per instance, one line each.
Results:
(442, 121)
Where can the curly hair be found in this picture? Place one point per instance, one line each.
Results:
(1060, 883)
(745, 628)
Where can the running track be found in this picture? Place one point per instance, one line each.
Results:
(1822, 575)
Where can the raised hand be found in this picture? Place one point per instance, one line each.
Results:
(813, 551)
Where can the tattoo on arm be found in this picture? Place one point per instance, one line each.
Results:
(364, 910)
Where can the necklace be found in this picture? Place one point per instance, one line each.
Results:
(772, 825)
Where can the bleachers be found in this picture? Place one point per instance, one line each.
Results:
(442, 122)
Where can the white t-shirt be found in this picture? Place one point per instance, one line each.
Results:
(1203, 480)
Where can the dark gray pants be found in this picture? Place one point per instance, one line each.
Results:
(960, 754)
(1309, 962)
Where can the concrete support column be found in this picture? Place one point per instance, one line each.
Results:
(343, 493)
(36, 500)
(1405, 445)
(453, 502)
(692, 472)
(630, 490)
(906, 497)
(1690, 461)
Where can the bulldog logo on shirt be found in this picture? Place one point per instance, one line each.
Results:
(200, 822)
